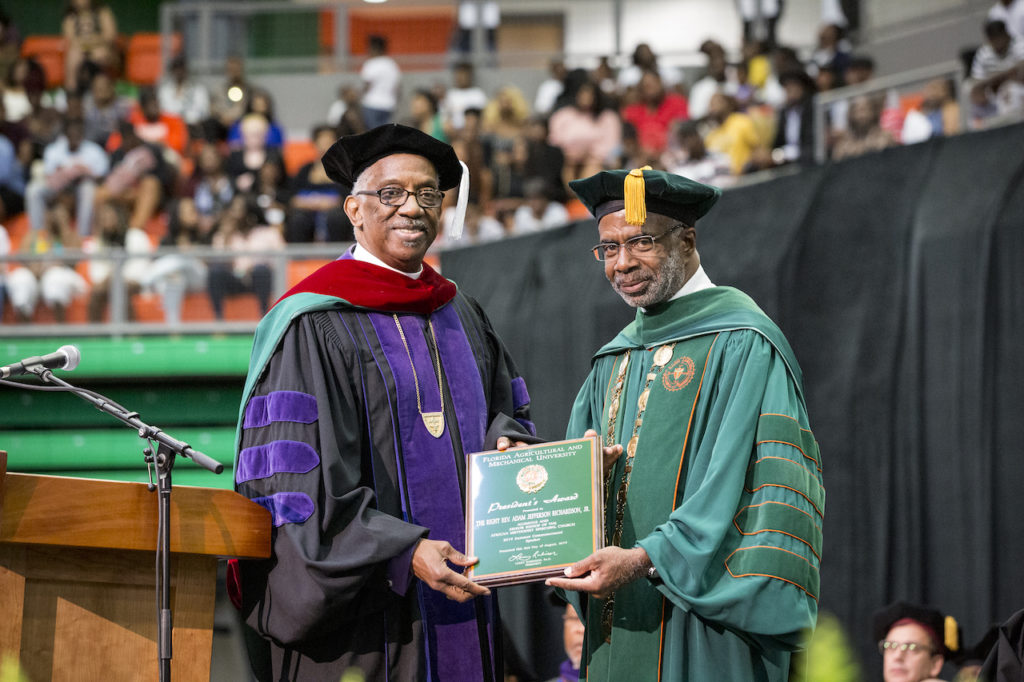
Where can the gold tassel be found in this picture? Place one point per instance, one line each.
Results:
(952, 636)
(633, 191)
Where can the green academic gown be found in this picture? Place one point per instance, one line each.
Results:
(724, 493)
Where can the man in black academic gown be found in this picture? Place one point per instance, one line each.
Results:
(369, 381)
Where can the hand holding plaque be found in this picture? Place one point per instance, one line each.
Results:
(532, 511)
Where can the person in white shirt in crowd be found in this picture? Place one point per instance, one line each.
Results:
(381, 81)
(71, 163)
(1011, 13)
(538, 212)
(184, 97)
(464, 94)
(715, 79)
(997, 89)
(550, 89)
(113, 234)
(688, 156)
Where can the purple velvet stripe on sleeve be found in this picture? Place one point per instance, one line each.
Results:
(528, 425)
(400, 570)
(520, 396)
(287, 507)
(280, 406)
(276, 457)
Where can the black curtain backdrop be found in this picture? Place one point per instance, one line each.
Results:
(898, 279)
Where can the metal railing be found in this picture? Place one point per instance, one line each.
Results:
(905, 81)
(119, 298)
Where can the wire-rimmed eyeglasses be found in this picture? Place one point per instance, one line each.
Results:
(426, 197)
(638, 245)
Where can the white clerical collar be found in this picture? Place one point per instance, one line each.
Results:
(359, 253)
(697, 282)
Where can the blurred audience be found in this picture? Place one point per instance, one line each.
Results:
(229, 102)
(689, 157)
(938, 115)
(346, 113)
(243, 230)
(464, 94)
(863, 132)
(112, 233)
(55, 282)
(103, 109)
(654, 112)
(539, 211)
(260, 103)
(588, 131)
(425, 115)
(733, 133)
(174, 275)
(315, 212)
(187, 99)
(551, 87)
(12, 181)
(998, 74)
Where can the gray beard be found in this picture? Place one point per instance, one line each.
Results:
(662, 285)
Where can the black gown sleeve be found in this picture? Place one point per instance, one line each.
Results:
(330, 554)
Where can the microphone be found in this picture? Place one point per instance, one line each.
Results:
(66, 358)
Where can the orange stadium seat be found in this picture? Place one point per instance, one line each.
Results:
(49, 52)
(17, 227)
(299, 270)
(143, 57)
(297, 153)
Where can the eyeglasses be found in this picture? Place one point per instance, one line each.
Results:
(638, 245)
(426, 197)
(886, 645)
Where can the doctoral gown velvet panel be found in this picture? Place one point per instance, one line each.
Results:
(725, 494)
(330, 441)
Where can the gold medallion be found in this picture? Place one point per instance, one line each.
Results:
(642, 402)
(631, 446)
(623, 364)
(434, 421)
(662, 356)
(531, 478)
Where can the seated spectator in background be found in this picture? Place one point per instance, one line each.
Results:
(139, 178)
(464, 94)
(645, 60)
(174, 275)
(831, 51)
(272, 187)
(1011, 13)
(103, 110)
(242, 230)
(71, 164)
(573, 630)
(112, 233)
(914, 641)
(655, 113)
(315, 212)
(157, 127)
(794, 129)
(691, 159)
(54, 281)
(12, 181)
(996, 91)
(471, 148)
(535, 157)
(605, 76)
(588, 132)
(15, 92)
(503, 125)
(861, 69)
(346, 113)
(477, 228)
(864, 131)
(229, 102)
(381, 81)
(262, 104)
(715, 79)
(733, 133)
(783, 60)
(756, 55)
(211, 189)
(538, 211)
(187, 99)
(424, 114)
(938, 116)
(90, 34)
(551, 87)
(245, 162)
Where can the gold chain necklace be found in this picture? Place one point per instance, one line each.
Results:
(434, 421)
(661, 358)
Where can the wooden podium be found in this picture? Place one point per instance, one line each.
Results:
(78, 576)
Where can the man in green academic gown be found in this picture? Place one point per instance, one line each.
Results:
(714, 506)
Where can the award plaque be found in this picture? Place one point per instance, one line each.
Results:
(534, 510)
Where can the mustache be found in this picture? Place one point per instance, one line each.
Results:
(409, 225)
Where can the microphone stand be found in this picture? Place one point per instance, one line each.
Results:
(167, 448)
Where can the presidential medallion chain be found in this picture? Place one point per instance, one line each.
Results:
(613, 413)
(661, 358)
(433, 421)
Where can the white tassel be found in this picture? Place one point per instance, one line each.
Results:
(460, 206)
